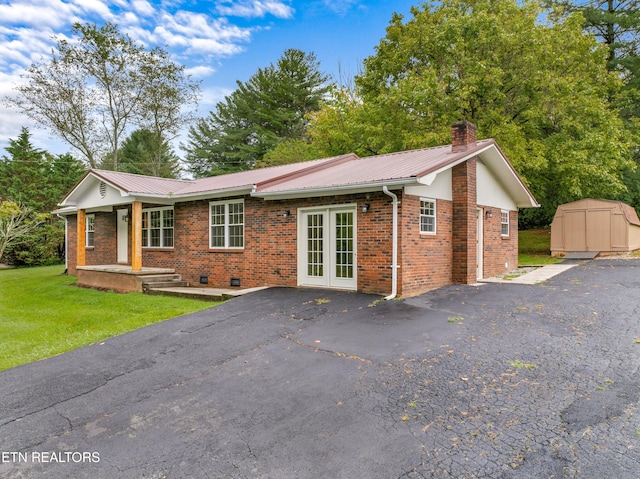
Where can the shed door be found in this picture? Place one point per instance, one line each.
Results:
(575, 230)
(326, 249)
(599, 230)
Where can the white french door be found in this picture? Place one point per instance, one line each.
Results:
(327, 248)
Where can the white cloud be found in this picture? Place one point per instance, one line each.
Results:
(200, 34)
(93, 7)
(254, 8)
(37, 14)
(200, 71)
(211, 96)
(340, 6)
(142, 7)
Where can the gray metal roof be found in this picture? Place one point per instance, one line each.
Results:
(324, 176)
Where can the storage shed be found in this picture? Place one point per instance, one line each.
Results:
(595, 225)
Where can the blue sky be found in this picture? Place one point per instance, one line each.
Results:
(219, 41)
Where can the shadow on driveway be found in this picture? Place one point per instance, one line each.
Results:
(497, 381)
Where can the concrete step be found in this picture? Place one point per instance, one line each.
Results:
(159, 278)
(176, 283)
(159, 281)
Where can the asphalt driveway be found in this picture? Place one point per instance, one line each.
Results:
(497, 381)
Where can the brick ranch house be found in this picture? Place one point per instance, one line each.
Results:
(394, 224)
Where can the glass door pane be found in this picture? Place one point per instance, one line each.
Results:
(315, 245)
(344, 245)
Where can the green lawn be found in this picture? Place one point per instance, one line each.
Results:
(534, 247)
(43, 313)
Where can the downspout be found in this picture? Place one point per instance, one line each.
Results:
(394, 246)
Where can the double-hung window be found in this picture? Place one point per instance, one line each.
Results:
(157, 227)
(504, 221)
(90, 230)
(226, 220)
(427, 216)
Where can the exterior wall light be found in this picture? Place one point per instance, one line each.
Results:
(366, 207)
(489, 214)
(286, 214)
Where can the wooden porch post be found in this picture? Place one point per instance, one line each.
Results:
(136, 236)
(81, 238)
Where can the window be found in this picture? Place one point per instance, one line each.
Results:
(90, 230)
(504, 219)
(157, 228)
(226, 224)
(427, 216)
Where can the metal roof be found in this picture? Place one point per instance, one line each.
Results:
(332, 175)
(132, 183)
(394, 167)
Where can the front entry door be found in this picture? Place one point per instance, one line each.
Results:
(123, 236)
(327, 248)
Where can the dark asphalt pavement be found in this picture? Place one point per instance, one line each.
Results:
(494, 381)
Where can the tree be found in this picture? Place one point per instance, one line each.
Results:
(616, 23)
(289, 151)
(146, 153)
(35, 181)
(23, 173)
(473, 60)
(269, 108)
(15, 222)
(162, 111)
(35, 178)
(93, 88)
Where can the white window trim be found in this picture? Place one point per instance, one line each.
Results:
(162, 228)
(90, 220)
(502, 212)
(435, 217)
(227, 225)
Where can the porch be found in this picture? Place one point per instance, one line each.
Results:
(117, 277)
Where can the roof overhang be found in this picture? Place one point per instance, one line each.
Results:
(499, 165)
(506, 175)
(333, 190)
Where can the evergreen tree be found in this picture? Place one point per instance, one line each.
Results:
(145, 153)
(269, 108)
(36, 181)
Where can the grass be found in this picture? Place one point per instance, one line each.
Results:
(517, 364)
(534, 248)
(43, 313)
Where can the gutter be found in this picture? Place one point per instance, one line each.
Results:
(331, 190)
(394, 247)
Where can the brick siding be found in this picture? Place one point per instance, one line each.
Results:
(271, 241)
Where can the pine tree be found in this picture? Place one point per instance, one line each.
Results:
(269, 108)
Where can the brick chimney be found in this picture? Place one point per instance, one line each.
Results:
(464, 203)
(463, 135)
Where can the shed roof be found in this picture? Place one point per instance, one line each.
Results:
(628, 211)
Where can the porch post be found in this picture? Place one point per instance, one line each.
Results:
(81, 238)
(136, 236)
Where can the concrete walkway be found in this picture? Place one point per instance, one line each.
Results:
(536, 276)
(204, 294)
